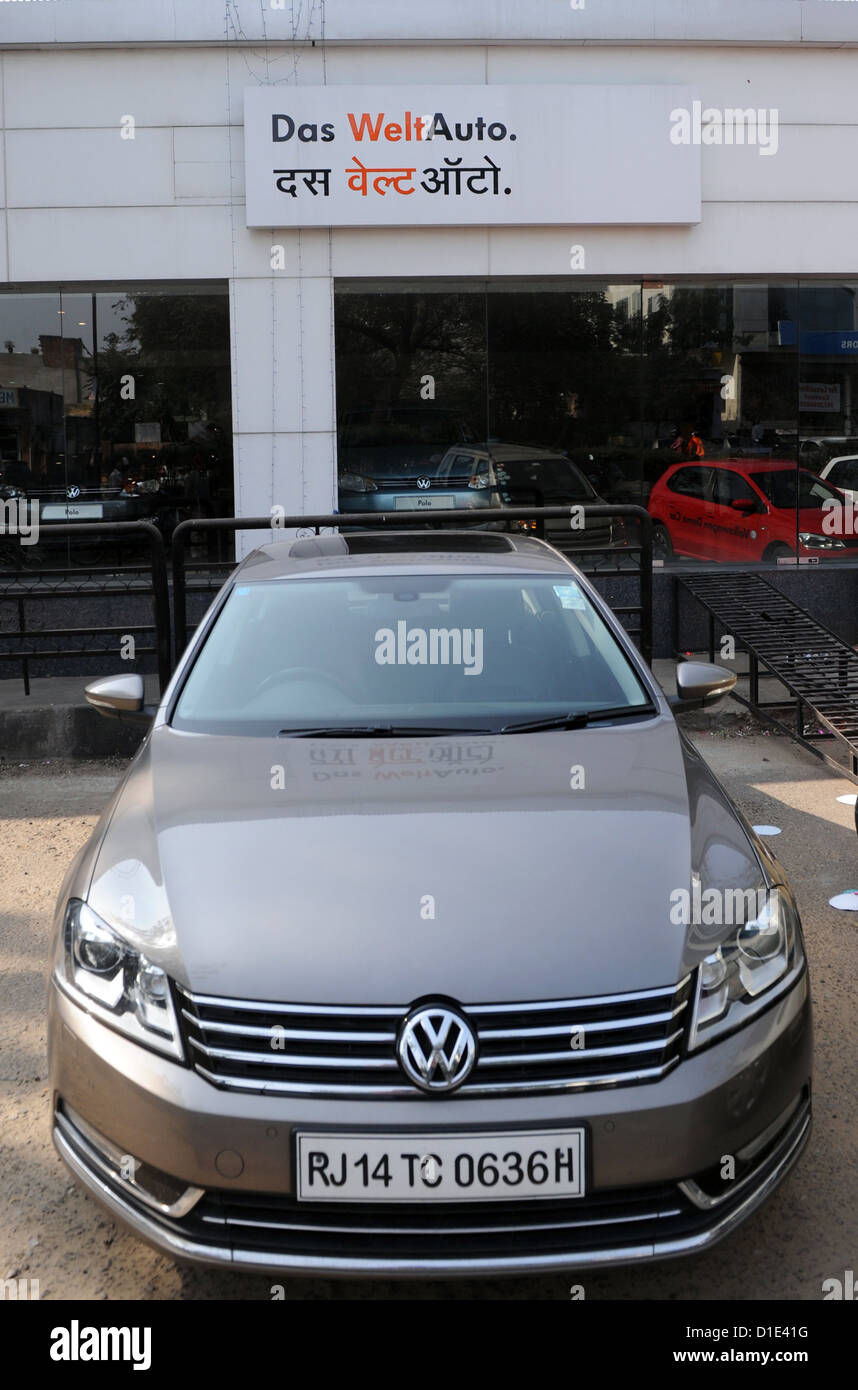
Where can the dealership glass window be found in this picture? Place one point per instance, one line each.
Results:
(717, 368)
(827, 331)
(118, 392)
(627, 380)
(720, 388)
(36, 387)
(564, 377)
(526, 375)
(411, 387)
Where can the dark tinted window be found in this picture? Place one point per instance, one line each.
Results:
(557, 479)
(781, 488)
(844, 474)
(691, 482)
(731, 487)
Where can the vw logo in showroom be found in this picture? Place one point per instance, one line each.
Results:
(72, 492)
(424, 483)
(437, 1048)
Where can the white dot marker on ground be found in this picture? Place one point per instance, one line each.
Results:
(845, 902)
(849, 799)
(767, 829)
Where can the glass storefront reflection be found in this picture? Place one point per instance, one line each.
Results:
(37, 383)
(116, 404)
(729, 410)
(564, 374)
(411, 395)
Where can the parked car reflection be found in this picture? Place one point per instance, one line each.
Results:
(538, 477)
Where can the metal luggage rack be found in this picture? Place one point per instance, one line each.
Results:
(786, 644)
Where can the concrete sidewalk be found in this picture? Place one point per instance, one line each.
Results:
(54, 720)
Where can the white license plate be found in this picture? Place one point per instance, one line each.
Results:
(418, 504)
(75, 511)
(440, 1168)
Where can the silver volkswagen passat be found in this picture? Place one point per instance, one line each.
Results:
(418, 940)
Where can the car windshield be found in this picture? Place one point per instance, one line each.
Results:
(781, 487)
(405, 652)
(554, 478)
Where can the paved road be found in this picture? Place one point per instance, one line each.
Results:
(808, 1232)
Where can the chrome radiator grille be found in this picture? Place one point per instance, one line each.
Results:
(336, 1050)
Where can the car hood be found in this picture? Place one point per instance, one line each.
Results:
(378, 871)
(391, 462)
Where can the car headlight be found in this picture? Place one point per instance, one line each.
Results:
(356, 482)
(111, 979)
(759, 960)
(483, 479)
(814, 542)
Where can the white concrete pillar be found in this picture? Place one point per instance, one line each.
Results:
(284, 413)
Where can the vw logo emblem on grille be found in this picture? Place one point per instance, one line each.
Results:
(72, 492)
(436, 1048)
(424, 483)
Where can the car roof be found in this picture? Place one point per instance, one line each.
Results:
(424, 552)
(741, 465)
(513, 453)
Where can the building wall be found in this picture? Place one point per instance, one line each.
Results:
(82, 204)
(505, 21)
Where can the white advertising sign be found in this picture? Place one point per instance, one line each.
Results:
(467, 156)
(819, 396)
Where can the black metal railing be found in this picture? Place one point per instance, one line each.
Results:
(500, 517)
(31, 583)
(816, 669)
(26, 644)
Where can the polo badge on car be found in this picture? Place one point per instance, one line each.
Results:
(436, 1048)
(424, 483)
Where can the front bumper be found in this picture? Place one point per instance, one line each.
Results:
(408, 501)
(655, 1154)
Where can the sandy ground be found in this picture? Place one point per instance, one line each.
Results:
(50, 1231)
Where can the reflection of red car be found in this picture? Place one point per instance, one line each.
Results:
(743, 509)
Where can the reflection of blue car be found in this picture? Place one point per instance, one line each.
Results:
(93, 504)
(436, 487)
(78, 504)
(405, 462)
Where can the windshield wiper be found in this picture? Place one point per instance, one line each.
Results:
(579, 720)
(371, 730)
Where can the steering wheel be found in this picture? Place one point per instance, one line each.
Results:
(302, 673)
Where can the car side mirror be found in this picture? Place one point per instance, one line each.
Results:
(746, 505)
(120, 697)
(698, 683)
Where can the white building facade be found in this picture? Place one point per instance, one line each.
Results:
(122, 164)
